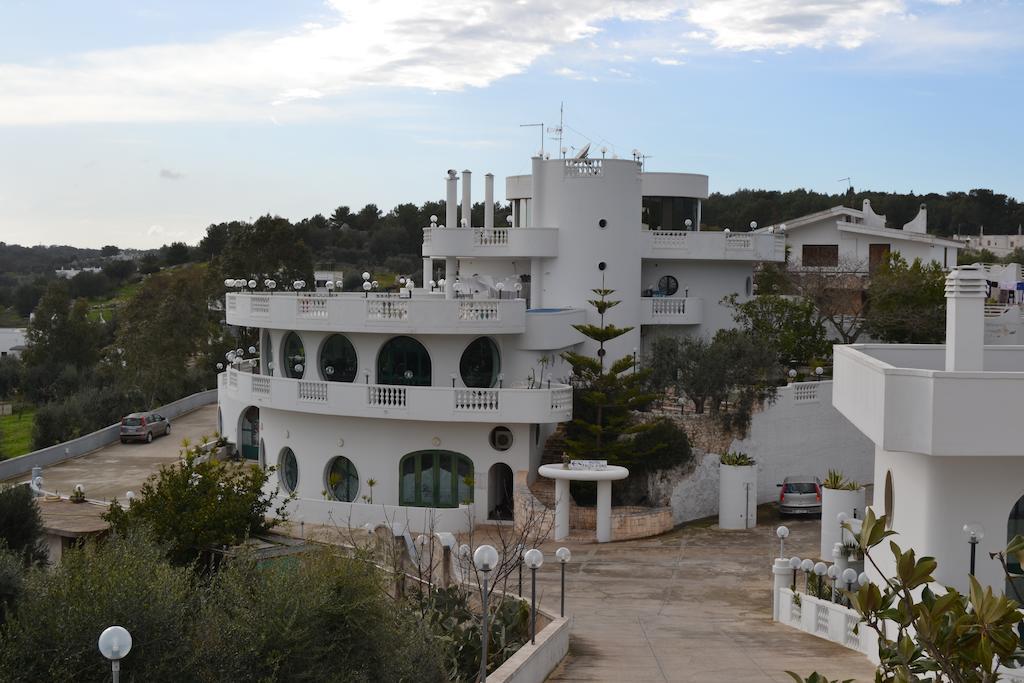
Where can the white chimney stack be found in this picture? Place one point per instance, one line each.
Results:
(467, 198)
(451, 203)
(965, 319)
(489, 201)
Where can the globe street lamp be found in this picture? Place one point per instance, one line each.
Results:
(783, 533)
(534, 559)
(833, 574)
(974, 533)
(486, 560)
(564, 555)
(808, 567)
(820, 568)
(115, 643)
(794, 564)
(849, 576)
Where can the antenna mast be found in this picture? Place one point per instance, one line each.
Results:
(849, 183)
(536, 125)
(561, 125)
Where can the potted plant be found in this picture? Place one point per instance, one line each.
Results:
(737, 491)
(838, 495)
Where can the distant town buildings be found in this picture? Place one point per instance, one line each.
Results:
(12, 341)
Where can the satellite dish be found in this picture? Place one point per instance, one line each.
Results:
(582, 154)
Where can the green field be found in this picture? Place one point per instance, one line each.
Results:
(16, 434)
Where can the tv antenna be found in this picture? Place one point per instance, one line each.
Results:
(848, 181)
(558, 130)
(536, 125)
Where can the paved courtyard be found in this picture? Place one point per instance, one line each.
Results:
(692, 605)
(118, 468)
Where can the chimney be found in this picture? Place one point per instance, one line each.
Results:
(467, 198)
(537, 203)
(965, 319)
(489, 201)
(451, 203)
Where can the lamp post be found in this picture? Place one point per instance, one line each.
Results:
(808, 567)
(794, 564)
(849, 576)
(485, 559)
(974, 533)
(842, 518)
(792, 375)
(783, 533)
(564, 555)
(534, 558)
(833, 574)
(818, 371)
(820, 568)
(115, 643)
(634, 360)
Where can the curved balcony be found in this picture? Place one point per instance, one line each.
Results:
(496, 242)
(444, 404)
(423, 313)
(714, 246)
(671, 310)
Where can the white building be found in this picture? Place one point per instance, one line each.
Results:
(999, 245)
(856, 241)
(440, 393)
(949, 441)
(68, 273)
(12, 341)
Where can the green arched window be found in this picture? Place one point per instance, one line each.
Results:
(403, 360)
(480, 364)
(289, 468)
(338, 361)
(249, 433)
(440, 479)
(342, 479)
(294, 356)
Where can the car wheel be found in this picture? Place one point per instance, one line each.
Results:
(149, 437)
(124, 440)
(168, 430)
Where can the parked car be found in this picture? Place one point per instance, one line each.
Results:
(143, 427)
(800, 495)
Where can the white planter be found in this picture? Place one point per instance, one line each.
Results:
(737, 497)
(834, 501)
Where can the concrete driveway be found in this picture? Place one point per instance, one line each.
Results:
(692, 605)
(118, 468)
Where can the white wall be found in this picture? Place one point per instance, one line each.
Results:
(707, 280)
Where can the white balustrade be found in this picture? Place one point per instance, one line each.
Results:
(311, 306)
(232, 301)
(495, 237)
(313, 391)
(386, 396)
(261, 385)
(259, 304)
(583, 168)
(426, 235)
(479, 311)
(476, 399)
(668, 239)
(561, 400)
(738, 242)
(805, 392)
(668, 306)
(233, 379)
(386, 310)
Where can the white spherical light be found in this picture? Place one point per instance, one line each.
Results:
(115, 642)
(533, 558)
(485, 558)
(563, 554)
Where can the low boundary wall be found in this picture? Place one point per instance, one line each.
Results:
(47, 457)
(533, 663)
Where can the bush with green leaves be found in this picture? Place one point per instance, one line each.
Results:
(737, 459)
(195, 506)
(837, 481)
(21, 524)
(660, 447)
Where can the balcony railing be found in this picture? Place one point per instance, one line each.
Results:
(671, 310)
(446, 404)
(715, 245)
(497, 241)
(425, 312)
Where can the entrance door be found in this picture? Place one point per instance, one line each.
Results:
(876, 254)
(249, 434)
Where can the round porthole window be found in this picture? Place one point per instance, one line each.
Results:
(501, 438)
(342, 480)
(602, 224)
(289, 467)
(668, 285)
(890, 500)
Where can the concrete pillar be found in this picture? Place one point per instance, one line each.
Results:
(604, 511)
(781, 576)
(562, 502)
(467, 199)
(451, 202)
(450, 265)
(698, 214)
(965, 319)
(489, 202)
(536, 215)
(536, 282)
(428, 272)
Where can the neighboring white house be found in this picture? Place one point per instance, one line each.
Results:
(440, 392)
(68, 273)
(857, 240)
(12, 341)
(949, 439)
(999, 245)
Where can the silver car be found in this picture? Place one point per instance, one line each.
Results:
(143, 427)
(800, 496)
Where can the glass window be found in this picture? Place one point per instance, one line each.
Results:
(289, 470)
(403, 360)
(342, 479)
(480, 364)
(249, 434)
(820, 255)
(267, 353)
(501, 438)
(668, 285)
(436, 479)
(294, 356)
(338, 362)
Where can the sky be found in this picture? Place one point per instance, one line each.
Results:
(141, 123)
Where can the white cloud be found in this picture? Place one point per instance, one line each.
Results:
(168, 174)
(666, 61)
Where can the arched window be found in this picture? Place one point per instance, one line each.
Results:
(480, 364)
(249, 433)
(294, 356)
(441, 479)
(289, 468)
(889, 500)
(403, 360)
(342, 480)
(267, 353)
(338, 362)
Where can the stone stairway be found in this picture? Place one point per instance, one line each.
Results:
(543, 488)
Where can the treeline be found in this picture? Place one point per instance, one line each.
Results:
(949, 214)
